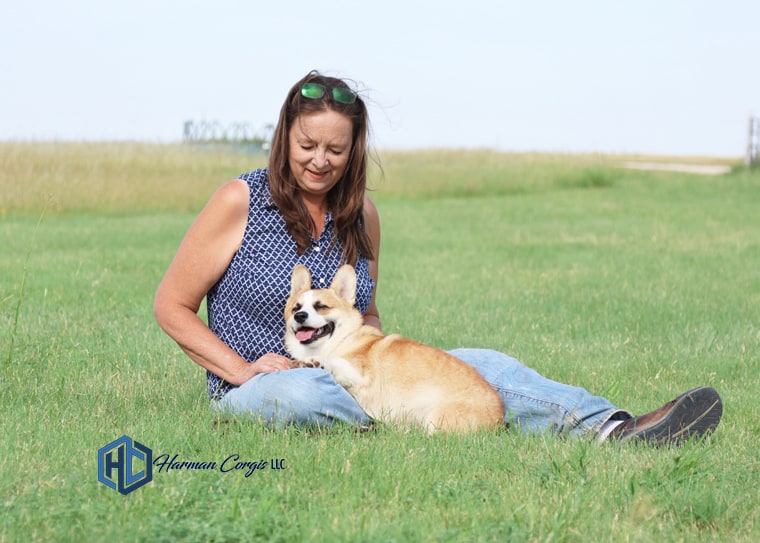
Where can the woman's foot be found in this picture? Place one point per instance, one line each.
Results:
(692, 415)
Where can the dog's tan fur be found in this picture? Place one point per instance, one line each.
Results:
(393, 378)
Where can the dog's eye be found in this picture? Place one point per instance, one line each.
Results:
(296, 308)
(319, 305)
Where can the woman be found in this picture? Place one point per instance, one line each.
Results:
(309, 207)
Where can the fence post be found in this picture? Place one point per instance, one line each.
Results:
(753, 141)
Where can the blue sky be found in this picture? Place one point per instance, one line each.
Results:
(651, 76)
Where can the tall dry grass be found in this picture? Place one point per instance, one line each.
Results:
(112, 177)
(126, 177)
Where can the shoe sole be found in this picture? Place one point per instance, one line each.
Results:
(694, 414)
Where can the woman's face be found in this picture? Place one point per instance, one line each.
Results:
(320, 144)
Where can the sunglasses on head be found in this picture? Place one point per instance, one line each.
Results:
(339, 94)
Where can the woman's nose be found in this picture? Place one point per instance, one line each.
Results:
(320, 158)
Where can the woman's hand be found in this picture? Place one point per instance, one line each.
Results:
(272, 362)
(268, 363)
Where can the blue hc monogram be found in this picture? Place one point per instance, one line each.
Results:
(116, 465)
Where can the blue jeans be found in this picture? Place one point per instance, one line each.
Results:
(532, 403)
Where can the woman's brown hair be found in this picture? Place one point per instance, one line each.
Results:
(346, 198)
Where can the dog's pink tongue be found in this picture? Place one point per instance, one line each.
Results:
(304, 334)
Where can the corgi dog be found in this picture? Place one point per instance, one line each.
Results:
(394, 379)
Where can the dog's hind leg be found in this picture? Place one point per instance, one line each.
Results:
(461, 417)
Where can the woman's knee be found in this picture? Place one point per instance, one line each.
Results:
(300, 396)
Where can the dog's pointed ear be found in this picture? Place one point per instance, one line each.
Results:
(300, 281)
(344, 284)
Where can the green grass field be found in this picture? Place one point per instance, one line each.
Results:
(636, 285)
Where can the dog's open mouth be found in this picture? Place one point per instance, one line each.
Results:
(308, 335)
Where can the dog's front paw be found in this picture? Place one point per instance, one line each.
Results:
(310, 363)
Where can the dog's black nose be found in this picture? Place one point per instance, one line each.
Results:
(301, 317)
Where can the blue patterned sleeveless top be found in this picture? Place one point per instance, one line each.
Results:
(246, 306)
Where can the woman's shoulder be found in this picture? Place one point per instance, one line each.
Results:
(370, 215)
(370, 210)
(232, 195)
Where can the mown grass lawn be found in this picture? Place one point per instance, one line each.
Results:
(635, 285)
